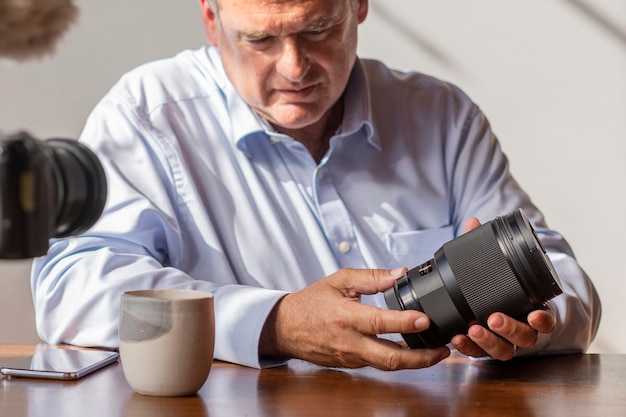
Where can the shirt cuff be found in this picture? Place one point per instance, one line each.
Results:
(240, 314)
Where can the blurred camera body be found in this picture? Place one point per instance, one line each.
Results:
(48, 189)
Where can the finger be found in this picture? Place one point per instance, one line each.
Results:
(373, 321)
(544, 321)
(467, 347)
(470, 224)
(516, 332)
(389, 356)
(491, 343)
(354, 282)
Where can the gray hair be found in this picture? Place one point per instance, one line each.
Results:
(213, 4)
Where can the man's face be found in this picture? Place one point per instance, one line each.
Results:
(289, 59)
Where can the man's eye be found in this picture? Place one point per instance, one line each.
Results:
(258, 41)
(318, 33)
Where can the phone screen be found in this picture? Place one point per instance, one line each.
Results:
(64, 364)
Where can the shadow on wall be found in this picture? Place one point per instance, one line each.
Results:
(428, 46)
(420, 40)
(599, 19)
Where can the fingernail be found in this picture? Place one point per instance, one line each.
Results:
(460, 343)
(496, 322)
(421, 323)
(477, 332)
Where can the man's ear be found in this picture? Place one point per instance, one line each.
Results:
(210, 22)
(361, 11)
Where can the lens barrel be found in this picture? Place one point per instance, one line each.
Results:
(498, 267)
(81, 186)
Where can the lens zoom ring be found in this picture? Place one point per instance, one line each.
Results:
(483, 273)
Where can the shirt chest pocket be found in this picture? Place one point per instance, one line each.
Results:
(413, 248)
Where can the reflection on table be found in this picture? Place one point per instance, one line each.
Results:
(574, 385)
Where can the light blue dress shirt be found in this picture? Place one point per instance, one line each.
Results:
(203, 194)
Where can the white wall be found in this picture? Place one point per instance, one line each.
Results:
(549, 74)
(551, 77)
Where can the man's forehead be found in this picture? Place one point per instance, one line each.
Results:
(301, 14)
(282, 8)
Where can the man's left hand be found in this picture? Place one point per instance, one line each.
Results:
(504, 334)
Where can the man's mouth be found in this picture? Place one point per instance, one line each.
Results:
(297, 93)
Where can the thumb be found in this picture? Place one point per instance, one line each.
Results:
(355, 282)
(470, 224)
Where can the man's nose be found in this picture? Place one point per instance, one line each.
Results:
(293, 63)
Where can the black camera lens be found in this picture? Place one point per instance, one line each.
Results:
(52, 188)
(498, 267)
(81, 186)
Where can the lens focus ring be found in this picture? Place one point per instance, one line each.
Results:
(482, 271)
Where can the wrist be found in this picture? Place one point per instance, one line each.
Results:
(269, 341)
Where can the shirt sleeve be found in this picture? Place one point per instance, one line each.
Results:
(138, 243)
(484, 187)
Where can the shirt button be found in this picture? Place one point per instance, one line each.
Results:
(344, 247)
(320, 174)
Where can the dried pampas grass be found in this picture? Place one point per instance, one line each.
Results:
(32, 28)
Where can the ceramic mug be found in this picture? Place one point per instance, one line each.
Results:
(167, 337)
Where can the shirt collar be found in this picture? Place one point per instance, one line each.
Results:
(357, 106)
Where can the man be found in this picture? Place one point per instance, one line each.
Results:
(296, 182)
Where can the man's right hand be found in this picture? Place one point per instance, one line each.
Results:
(326, 324)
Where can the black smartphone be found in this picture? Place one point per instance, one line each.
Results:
(63, 364)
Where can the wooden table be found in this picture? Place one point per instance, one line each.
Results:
(575, 385)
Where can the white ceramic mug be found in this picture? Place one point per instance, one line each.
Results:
(167, 337)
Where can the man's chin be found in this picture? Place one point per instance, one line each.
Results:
(293, 120)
